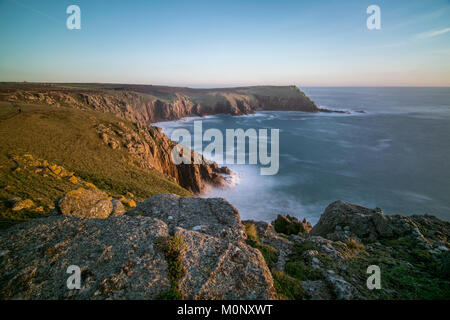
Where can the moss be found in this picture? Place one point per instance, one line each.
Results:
(287, 287)
(326, 260)
(288, 226)
(443, 265)
(422, 229)
(406, 271)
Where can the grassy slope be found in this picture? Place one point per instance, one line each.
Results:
(66, 137)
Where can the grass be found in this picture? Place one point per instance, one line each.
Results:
(407, 273)
(299, 266)
(300, 270)
(173, 248)
(300, 248)
(269, 253)
(354, 244)
(413, 284)
(287, 287)
(67, 137)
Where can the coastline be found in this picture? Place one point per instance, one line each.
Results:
(289, 201)
(287, 256)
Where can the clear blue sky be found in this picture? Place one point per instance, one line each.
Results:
(227, 42)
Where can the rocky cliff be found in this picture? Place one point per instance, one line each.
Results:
(150, 148)
(171, 247)
(149, 104)
(143, 105)
(99, 146)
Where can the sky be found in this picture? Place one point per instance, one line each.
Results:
(227, 43)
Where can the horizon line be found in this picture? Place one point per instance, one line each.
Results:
(203, 86)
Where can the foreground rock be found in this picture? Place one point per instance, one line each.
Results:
(218, 264)
(117, 258)
(214, 216)
(86, 203)
(121, 257)
(194, 248)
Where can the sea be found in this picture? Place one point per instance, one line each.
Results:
(395, 155)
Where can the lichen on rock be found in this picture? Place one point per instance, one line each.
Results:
(86, 203)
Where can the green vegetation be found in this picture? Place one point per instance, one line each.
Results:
(171, 294)
(413, 284)
(443, 266)
(287, 287)
(407, 271)
(299, 265)
(354, 244)
(300, 270)
(173, 248)
(283, 226)
(252, 234)
(269, 253)
(300, 248)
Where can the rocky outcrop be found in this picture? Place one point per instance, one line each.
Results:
(291, 225)
(342, 220)
(213, 216)
(331, 261)
(153, 149)
(117, 207)
(218, 263)
(19, 204)
(120, 257)
(86, 203)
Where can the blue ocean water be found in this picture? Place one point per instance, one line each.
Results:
(396, 156)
